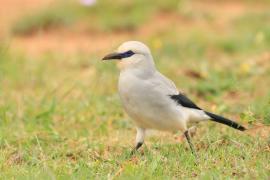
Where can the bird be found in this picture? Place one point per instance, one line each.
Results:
(152, 100)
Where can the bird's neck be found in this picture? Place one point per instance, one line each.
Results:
(142, 72)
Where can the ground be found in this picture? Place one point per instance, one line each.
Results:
(60, 115)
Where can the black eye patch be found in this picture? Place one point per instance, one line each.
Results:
(127, 54)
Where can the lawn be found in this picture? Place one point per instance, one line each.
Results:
(61, 117)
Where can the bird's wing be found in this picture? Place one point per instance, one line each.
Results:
(181, 99)
(165, 84)
(174, 94)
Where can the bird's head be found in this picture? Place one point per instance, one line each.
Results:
(132, 54)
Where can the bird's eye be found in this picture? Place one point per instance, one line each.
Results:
(128, 54)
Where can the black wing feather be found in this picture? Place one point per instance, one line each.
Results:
(184, 101)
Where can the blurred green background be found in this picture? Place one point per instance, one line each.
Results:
(60, 115)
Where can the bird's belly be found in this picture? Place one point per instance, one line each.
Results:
(152, 113)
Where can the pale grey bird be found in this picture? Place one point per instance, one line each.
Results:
(151, 99)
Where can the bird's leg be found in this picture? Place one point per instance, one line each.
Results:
(186, 133)
(138, 145)
(139, 139)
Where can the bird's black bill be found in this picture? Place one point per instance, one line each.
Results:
(118, 56)
(113, 56)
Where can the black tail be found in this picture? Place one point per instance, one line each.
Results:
(225, 121)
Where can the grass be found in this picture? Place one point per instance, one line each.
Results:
(61, 118)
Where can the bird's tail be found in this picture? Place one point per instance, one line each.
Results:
(225, 121)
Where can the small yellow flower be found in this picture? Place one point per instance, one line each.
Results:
(157, 43)
(259, 37)
(245, 68)
(213, 108)
(204, 74)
